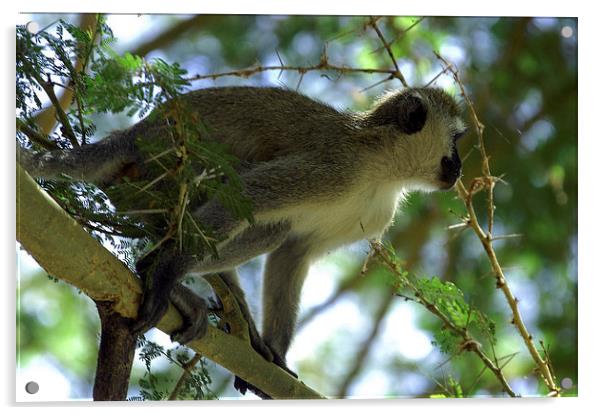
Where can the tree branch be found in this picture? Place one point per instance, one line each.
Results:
(387, 46)
(174, 33)
(487, 182)
(115, 355)
(65, 250)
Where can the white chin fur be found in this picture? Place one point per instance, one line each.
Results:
(421, 185)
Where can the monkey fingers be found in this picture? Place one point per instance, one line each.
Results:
(194, 314)
(242, 386)
(154, 306)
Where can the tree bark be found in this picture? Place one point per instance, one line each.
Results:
(115, 355)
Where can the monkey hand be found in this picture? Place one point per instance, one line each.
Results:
(153, 308)
(243, 386)
(194, 314)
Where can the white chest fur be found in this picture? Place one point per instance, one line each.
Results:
(363, 214)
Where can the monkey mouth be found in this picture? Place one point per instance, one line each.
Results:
(451, 168)
(447, 185)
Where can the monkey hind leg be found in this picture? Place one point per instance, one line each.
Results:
(230, 278)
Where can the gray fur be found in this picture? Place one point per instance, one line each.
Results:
(318, 179)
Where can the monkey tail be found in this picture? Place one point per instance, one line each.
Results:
(100, 163)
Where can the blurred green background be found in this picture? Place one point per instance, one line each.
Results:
(521, 74)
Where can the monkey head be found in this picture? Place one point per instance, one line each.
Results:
(418, 130)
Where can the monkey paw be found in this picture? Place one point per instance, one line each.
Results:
(190, 330)
(242, 386)
(192, 308)
(194, 314)
(150, 313)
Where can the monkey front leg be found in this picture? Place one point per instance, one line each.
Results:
(285, 271)
(163, 270)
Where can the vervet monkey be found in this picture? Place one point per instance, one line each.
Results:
(318, 179)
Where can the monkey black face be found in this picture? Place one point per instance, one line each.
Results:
(450, 170)
(451, 166)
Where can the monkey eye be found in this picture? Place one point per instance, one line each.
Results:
(458, 134)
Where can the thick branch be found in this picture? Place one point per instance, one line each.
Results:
(65, 250)
(115, 355)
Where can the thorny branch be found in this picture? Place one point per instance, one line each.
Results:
(64, 249)
(387, 46)
(401, 34)
(35, 136)
(488, 182)
(324, 64)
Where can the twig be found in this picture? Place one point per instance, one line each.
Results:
(187, 371)
(382, 81)
(154, 181)
(321, 66)
(46, 119)
(401, 35)
(486, 238)
(387, 46)
(60, 113)
(35, 136)
(444, 70)
(81, 67)
(509, 236)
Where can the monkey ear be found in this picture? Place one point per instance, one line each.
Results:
(412, 114)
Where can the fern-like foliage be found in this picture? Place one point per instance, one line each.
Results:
(186, 168)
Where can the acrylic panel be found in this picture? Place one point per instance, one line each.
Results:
(443, 282)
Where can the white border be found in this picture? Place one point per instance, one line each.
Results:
(336, 7)
(589, 171)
